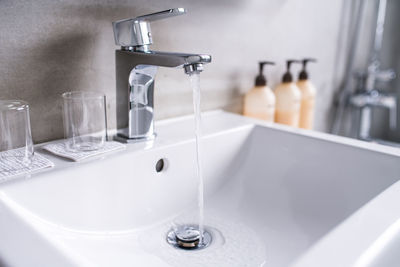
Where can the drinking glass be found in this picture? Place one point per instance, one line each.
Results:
(16, 144)
(85, 123)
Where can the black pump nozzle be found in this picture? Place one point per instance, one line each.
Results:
(260, 79)
(303, 75)
(287, 77)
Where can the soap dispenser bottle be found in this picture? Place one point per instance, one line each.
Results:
(288, 97)
(308, 92)
(259, 102)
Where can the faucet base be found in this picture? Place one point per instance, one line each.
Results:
(126, 140)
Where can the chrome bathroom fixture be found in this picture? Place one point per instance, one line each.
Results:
(364, 103)
(368, 94)
(136, 67)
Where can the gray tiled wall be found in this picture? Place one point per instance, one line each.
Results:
(48, 47)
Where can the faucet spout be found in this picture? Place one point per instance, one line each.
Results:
(164, 59)
(193, 68)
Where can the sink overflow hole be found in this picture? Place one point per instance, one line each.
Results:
(160, 165)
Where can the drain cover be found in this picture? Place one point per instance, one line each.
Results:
(188, 237)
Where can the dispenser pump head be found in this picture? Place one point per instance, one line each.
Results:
(303, 75)
(260, 79)
(287, 77)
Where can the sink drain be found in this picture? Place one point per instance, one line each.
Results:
(188, 237)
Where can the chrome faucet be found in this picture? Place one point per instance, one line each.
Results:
(367, 97)
(136, 67)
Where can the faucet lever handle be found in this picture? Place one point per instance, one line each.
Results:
(385, 75)
(162, 14)
(136, 32)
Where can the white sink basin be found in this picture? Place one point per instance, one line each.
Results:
(275, 196)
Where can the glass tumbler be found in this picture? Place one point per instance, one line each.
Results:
(15, 132)
(85, 123)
